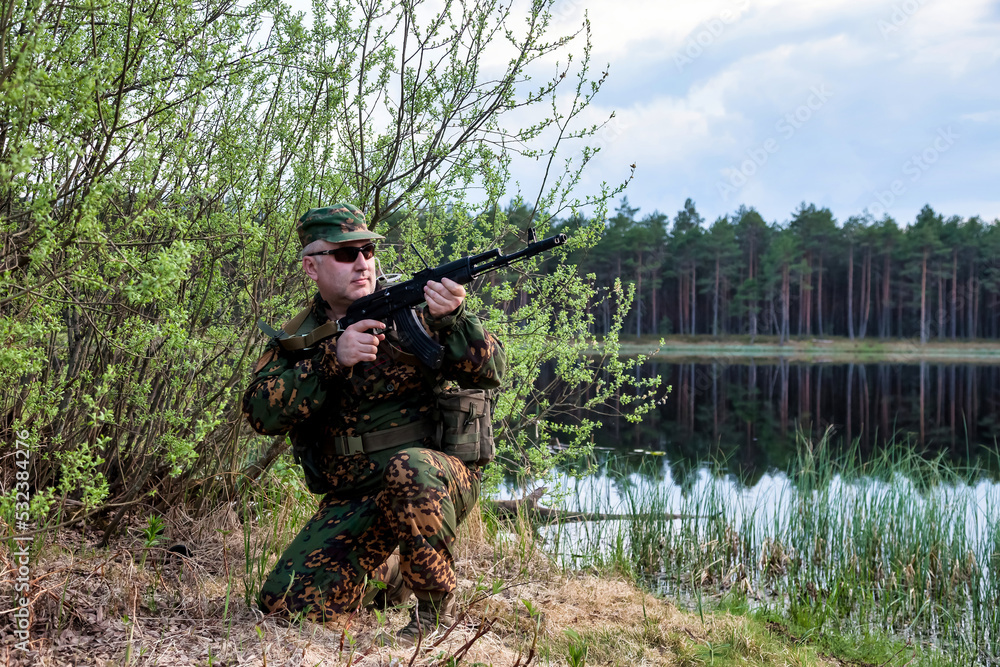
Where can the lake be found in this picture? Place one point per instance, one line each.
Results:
(746, 413)
(856, 496)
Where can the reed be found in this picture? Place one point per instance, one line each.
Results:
(888, 545)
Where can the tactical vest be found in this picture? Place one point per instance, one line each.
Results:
(463, 425)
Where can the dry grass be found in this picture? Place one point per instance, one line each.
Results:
(105, 607)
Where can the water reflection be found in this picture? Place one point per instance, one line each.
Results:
(746, 413)
(723, 497)
(621, 487)
(875, 547)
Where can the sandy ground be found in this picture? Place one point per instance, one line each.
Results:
(106, 607)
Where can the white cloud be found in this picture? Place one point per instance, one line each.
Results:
(685, 124)
(992, 116)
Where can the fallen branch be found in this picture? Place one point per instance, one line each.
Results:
(528, 506)
(275, 448)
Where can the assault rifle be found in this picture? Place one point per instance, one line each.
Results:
(394, 302)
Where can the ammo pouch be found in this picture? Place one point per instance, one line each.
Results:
(465, 427)
(315, 482)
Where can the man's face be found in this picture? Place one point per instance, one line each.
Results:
(341, 283)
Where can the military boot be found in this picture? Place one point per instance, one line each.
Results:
(394, 593)
(433, 614)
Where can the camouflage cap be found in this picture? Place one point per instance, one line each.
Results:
(336, 223)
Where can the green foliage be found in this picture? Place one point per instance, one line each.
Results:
(576, 651)
(744, 275)
(152, 533)
(154, 158)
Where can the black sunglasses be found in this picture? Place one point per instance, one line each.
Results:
(347, 254)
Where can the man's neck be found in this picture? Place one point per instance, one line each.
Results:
(324, 306)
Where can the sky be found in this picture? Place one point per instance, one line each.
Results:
(852, 105)
(855, 105)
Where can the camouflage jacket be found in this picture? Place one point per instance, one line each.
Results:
(313, 398)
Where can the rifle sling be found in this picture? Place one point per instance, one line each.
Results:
(292, 325)
(292, 343)
(296, 343)
(385, 438)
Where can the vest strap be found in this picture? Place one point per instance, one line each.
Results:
(386, 438)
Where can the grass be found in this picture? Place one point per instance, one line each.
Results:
(107, 608)
(847, 562)
(845, 552)
(136, 603)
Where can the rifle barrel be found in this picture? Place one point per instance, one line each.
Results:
(527, 251)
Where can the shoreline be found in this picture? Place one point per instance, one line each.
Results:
(811, 349)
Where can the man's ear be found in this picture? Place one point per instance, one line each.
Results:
(309, 266)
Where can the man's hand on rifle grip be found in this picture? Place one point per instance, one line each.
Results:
(359, 342)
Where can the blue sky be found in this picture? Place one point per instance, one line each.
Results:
(851, 105)
(883, 105)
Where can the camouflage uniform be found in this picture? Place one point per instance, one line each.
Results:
(410, 496)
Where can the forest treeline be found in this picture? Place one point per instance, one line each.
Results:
(934, 278)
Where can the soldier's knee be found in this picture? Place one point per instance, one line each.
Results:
(408, 469)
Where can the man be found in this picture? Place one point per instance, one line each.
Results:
(360, 414)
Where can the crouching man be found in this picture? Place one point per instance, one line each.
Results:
(360, 413)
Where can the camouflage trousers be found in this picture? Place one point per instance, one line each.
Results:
(425, 496)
